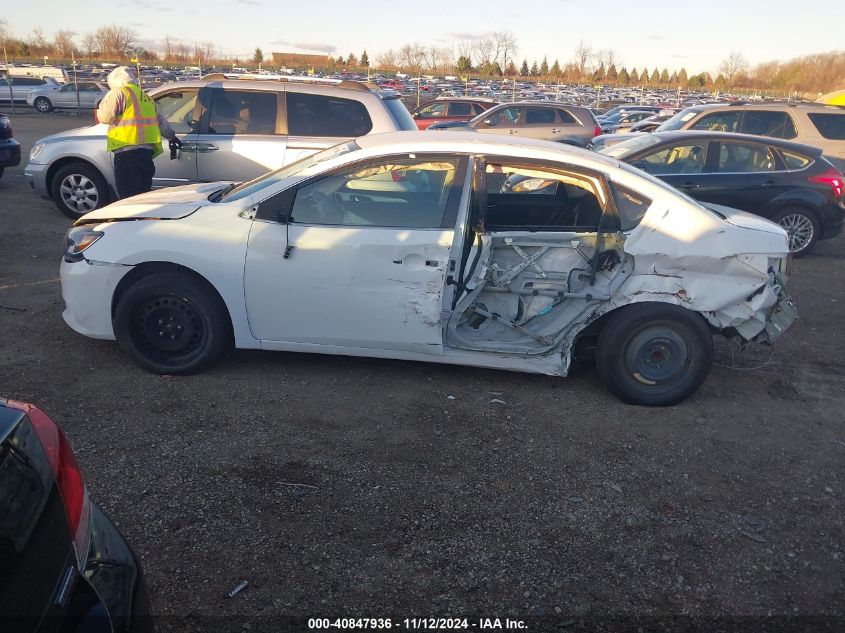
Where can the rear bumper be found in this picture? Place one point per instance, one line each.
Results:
(115, 574)
(10, 153)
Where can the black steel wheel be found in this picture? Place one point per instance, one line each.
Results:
(171, 323)
(654, 354)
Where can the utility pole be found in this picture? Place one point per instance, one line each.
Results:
(76, 81)
(9, 79)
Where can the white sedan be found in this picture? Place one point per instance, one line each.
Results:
(460, 248)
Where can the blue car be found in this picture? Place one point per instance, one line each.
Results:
(10, 149)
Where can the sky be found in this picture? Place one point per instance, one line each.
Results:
(694, 35)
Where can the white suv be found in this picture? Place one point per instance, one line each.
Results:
(231, 130)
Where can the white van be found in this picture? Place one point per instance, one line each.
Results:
(58, 74)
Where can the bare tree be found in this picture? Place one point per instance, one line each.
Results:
(167, 48)
(412, 57)
(734, 65)
(38, 42)
(607, 57)
(116, 41)
(387, 60)
(504, 45)
(63, 44)
(5, 37)
(483, 49)
(91, 45)
(582, 58)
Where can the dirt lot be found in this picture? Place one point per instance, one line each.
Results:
(353, 487)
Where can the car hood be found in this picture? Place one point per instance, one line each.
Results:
(172, 203)
(745, 220)
(97, 131)
(447, 125)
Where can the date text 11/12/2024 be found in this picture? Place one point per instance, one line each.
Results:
(422, 624)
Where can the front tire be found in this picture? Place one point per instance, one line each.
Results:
(43, 105)
(802, 226)
(171, 323)
(654, 354)
(78, 189)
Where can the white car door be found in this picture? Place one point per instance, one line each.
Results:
(362, 260)
(180, 107)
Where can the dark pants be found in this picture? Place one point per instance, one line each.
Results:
(133, 171)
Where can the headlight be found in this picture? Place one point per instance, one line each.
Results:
(78, 240)
(36, 151)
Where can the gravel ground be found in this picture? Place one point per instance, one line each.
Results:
(354, 487)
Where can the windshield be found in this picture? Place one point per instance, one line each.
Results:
(677, 121)
(300, 167)
(630, 146)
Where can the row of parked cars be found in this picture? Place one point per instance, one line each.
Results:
(318, 218)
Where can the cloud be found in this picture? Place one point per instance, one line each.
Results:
(460, 35)
(308, 46)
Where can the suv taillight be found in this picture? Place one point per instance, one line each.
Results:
(69, 479)
(596, 131)
(833, 179)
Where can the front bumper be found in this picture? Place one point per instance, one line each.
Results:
(87, 290)
(37, 176)
(115, 574)
(781, 317)
(10, 153)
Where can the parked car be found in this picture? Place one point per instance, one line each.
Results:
(231, 130)
(64, 566)
(649, 124)
(17, 89)
(789, 183)
(623, 121)
(48, 99)
(449, 109)
(625, 109)
(381, 247)
(10, 149)
(813, 124)
(572, 125)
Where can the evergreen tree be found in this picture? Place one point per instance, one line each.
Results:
(365, 59)
(674, 78)
(523, 70)
(463, 64)
(258, 56)
(510, 70)
(556, 72)
(720, 83)
(612, 74)
(635, 76)
(664, 76)
(644, 75)
(682, 77)
(352, 60)
(624, 77)
(535, 70)
(655, 77)
(600, 72)
(544, 67)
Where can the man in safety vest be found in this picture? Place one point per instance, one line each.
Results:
(135, 132)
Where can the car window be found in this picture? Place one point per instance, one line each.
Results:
(393, 192)
(524, 197)
(460, 109)
(321, 115)
(745, 158)
(71, 88)
(506, 116)
(478, 108)
(829, 125)
(539, 116)
(178, 109)
(630, 205)
(432, 110)
(683, 158)
(725, 121)
(768, 123)
(795, 161)
(565, 117)
(242, 112)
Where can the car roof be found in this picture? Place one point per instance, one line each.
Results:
(338, 88)
(766, 105)
(471, 142)
(671, 135)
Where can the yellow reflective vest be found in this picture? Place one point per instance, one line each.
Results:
(138, 124)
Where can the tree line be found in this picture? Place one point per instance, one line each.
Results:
(493, 54)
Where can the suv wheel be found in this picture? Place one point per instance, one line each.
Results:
(802, 226)
(78, 189)
(43, 105)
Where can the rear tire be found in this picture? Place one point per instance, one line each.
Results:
(42, 105)
(802, 226)
(77, 189)
(654, 354)
(171, 323)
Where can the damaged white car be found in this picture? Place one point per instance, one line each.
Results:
(459, 248)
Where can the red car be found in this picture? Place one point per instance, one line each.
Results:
(449, 109)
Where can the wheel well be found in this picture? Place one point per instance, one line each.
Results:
(151, 268)
(51, 172)
(587, 339)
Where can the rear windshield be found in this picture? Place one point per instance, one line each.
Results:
(630, 146)
(400, 114)
(677, 121)
(829, 125)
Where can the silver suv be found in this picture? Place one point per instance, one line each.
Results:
(812, 124)
(231, 130)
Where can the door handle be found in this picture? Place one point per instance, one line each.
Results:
(512, 132)
(555, 130)
(204, 148)
(689, 185)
